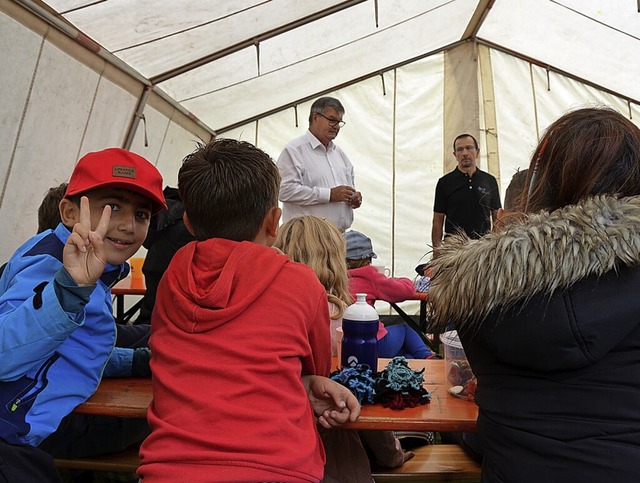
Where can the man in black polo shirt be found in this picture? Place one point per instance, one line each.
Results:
(467, 199)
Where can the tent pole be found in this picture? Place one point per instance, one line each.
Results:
(89, 44)
(81, 38)
(556, 70)
(254, 40)
(137, 116)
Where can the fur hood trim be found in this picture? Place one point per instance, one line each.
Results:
(540, 254)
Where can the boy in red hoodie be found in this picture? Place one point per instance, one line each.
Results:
(236, 325)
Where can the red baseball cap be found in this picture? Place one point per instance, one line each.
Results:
(121, 169)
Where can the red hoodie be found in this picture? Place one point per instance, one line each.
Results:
(234, 327)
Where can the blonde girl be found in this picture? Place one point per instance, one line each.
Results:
(317, 243)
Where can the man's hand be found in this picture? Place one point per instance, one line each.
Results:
(84, 255)
(356, 200)
(341, 194)
(333, 403)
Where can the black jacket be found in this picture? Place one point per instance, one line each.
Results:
(167, 234)
(549, 315)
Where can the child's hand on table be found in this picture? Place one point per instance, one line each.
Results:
(333, 403)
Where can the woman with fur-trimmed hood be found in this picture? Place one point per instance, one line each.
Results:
(548, 310)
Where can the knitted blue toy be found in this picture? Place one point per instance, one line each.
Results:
(397, 386)
(360, 380)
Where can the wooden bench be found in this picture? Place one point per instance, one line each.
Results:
(122, 462)
(437, 462)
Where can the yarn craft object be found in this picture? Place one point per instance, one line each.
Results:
(360, 380)
(397, 386)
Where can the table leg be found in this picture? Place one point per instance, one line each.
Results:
(119, 307)
(412, 323)
(434, 344)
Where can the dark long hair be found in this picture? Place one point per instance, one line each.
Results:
(586, 152)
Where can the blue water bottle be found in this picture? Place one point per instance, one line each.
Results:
(360, 329)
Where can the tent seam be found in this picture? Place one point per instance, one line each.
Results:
(22, 117)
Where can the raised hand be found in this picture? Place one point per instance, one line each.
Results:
(84, 254)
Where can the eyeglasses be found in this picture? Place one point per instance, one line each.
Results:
(332, 122)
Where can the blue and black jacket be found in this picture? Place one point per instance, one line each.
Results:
(56, 339)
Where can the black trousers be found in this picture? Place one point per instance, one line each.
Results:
(26, 464)
(83, 435)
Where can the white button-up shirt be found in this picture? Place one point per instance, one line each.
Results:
(308, 172)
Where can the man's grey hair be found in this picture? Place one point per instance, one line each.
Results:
(323, 103)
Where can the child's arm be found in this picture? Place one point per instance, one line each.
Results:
(333, 403)
(128, 362)
(393, 289)
(42, 307)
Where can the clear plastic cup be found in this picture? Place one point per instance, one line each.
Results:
(461, 382)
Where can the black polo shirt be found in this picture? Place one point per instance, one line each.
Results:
(467, 202)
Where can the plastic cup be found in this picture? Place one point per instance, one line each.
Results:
(461, 382)
(383, 270)
(136, 267)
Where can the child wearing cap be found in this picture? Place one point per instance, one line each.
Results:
(394, 340)
(240, 337)
(56, 321)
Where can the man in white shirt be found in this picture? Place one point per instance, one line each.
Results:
(317, 176)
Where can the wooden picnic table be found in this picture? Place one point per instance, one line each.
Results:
(130, 398)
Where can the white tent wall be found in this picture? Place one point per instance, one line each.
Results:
(389, 137)
(528, 100)
(70, 105)
(165, 136)
(62, 101)
(397, 143)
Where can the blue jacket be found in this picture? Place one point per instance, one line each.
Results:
(55, 339)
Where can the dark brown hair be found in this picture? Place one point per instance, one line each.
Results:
(351, 264)
(515, 190)
(228, 188)
(465, 135)
(586, 152)
(49, 209)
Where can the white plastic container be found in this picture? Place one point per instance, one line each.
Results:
(461, 382)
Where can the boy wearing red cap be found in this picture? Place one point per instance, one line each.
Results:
(56, 321)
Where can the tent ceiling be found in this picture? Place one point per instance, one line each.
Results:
(241, 59)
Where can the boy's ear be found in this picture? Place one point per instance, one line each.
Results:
(269, 229)
(69, 212)
(273, 222)
(187, 223)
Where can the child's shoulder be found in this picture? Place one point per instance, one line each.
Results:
(37, 259)
(367, 270)
(47, 243)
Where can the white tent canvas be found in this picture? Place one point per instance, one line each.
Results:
(159, 76)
